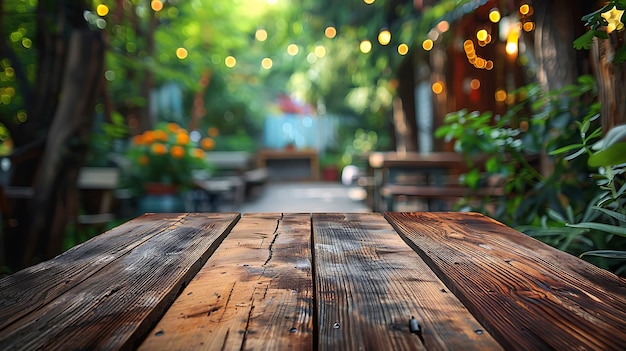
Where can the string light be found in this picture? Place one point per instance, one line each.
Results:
(403, 49)
(365, 46)
(230, 61)
(427, 44)
(384, 37)
(330, 32)
(494, 15)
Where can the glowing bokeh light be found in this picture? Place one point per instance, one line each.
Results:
(494, 15)
(293, 49)
(437, 88)
(230, 61)
(330, 32)
(181, 53)
(267, 63)
(427, 44)
(102, 10)
(403, 49)
(261, 35)
(524, 9)
(482, 34)
(320, 51)
(156, 5)
(365, 46)
(384, 37)
(500, 95)
(369, 2)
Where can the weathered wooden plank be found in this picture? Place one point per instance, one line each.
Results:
(115, 305)
(34, 287)
(369, 283)
(528, 295)
(255, 292)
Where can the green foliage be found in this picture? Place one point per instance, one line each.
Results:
(580, 206)
(597, 24)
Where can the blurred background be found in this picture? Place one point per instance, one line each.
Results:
(113, 108)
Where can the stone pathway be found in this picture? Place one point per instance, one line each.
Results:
(307, 197)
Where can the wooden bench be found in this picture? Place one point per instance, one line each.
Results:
(333, 281)
(435, 195)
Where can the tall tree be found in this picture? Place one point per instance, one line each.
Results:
(59, 110)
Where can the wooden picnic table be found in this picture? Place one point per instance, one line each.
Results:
(334, 281)
(401, 168)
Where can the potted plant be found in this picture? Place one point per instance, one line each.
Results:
(162, 166)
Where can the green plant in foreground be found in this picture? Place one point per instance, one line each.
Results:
(604, 221)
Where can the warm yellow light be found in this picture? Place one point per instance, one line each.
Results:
(500, 95)
(437, 88)
(524, 9)
(529, 26)
(156, 5)
(384, 37)
(511, 48)
(261, 35)
(474, 84)
(181, 53)
(443, 26)
(267, 63)
(230, 61)
(330, 32)
(403, 49)
(468, 46)
(293, 49)
(489, 65)
(427, 44)
(613, 17)
(365, 46)
(512, 39)
(494, 15)
(482, 34)
(102, 10)
(320, 51)
(369, 2)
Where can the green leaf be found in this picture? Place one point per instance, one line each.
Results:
(612, 229)
(619, 216)
(584, 41)
(566, 149)
(613, 155)
(606, 254)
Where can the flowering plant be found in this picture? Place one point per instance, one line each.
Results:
(166, 155)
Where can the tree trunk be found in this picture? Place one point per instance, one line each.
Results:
(554, 35)
(55, 188)
(611, 79)
(555, 55)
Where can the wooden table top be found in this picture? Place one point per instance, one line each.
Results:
(336, 281)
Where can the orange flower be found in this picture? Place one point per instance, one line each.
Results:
(182, 138)
(177, 151)
(173, 127)
(159, 149)
(213, 132)
(148, 137)
(138, 139)
(144, 160)
(159, 135)
(207, 143)
(198, 153)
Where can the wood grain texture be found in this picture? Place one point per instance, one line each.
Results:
(118, 286)
(254, 293)
(369, 283)
(528, 295)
